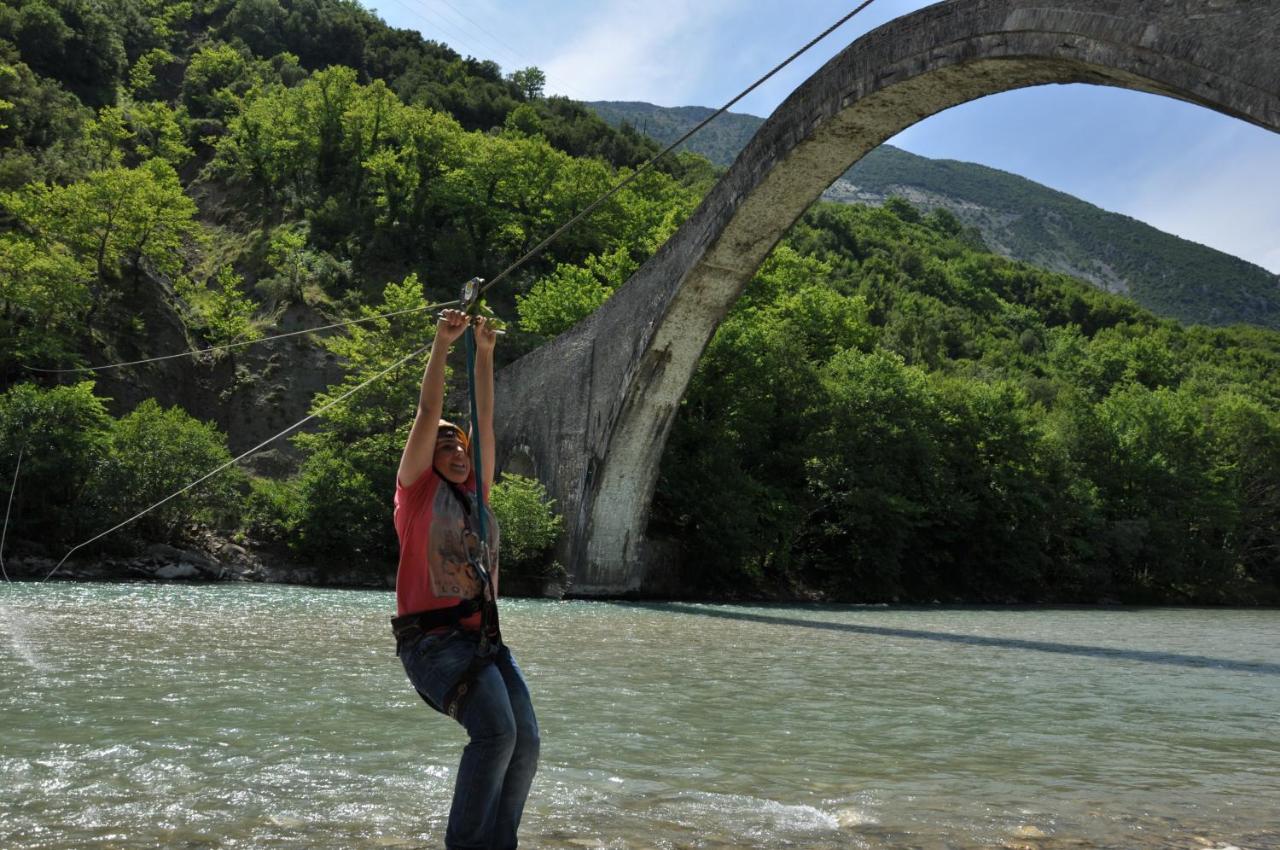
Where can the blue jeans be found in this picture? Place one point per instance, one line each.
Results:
(498, 763)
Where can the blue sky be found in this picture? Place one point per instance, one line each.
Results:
(1182, 168)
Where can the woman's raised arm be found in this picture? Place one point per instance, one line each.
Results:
(419, 449)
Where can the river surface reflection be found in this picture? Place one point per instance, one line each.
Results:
(263, 716)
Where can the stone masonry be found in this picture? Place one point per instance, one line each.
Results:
(589, 413)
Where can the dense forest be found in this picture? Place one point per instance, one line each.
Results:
(892, 412)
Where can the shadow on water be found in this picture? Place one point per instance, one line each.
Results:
(1169, 659)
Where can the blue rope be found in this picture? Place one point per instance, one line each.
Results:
(477, 454)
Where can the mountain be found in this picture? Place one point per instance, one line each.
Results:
(1018, 218)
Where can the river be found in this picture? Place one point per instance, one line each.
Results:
(247, 716)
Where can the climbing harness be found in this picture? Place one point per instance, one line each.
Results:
(410, 628)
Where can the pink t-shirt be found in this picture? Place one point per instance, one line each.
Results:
(434, 571)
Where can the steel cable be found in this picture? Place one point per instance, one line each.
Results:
(213, 348)
(622, 184)
(535, 251)
(238, 458)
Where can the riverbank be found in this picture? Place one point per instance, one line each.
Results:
(216, 560)
(213, 559)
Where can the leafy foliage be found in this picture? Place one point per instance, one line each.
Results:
(154, 452)
(139, 131)
(220, 310)
(384, 181)
(350, 461)
(571, 293)
(891, 414)
(529, 82)
(528, 522)
(114, 215)
(78, 43)
(63, 435)
(42, 295)
(83, 471)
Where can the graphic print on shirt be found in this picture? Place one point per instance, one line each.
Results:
(450, 569)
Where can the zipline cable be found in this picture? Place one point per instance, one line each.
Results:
(533, 252)
(213, 348)
(239, 458)
(5, 533)
(537, 249)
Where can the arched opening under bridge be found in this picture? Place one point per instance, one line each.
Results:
(591, 411)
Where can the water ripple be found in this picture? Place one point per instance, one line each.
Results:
(222, 716)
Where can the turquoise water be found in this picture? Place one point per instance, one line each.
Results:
(262, 716)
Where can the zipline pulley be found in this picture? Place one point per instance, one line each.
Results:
(469, 300)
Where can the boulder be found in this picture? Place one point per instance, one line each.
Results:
(164, 553)
(182, 570)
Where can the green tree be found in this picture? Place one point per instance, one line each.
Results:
(303, 274)
(136, 132)
(63, 434)
(42, 297)
(571, 293)
(154, 452)
(142, 76)
(42, 125)
(76, 42)
(1246, 436)
(219, 308)
(734, 482)
(216, 80)
(351, 459)
(8, 74)
(523, 121)
(1165, 506)
(529, 524)
(114, 215)
(877, 473)
(530, 82)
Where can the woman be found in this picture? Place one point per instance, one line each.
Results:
(446, 594)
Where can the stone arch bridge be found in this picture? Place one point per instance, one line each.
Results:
(590, 412)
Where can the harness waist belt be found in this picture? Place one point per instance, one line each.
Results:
(426, 621)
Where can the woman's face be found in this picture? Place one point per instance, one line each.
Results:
(451, 459)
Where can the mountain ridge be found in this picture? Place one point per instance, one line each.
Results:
(1018, 218)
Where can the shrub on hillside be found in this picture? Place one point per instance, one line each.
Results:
(272, 510)
(529, 526)
(63, 434)
(152, 454)
(346, 508)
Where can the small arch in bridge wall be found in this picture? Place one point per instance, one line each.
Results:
(519, 461)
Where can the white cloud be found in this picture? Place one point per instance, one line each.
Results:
(639, 49)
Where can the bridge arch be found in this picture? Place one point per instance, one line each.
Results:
(590, 412)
